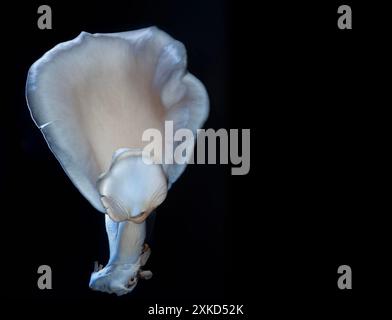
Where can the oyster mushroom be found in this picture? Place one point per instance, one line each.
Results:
(92, 98)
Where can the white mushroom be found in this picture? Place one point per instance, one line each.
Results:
(92, 98)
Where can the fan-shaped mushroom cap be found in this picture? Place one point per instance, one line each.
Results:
(97, 94)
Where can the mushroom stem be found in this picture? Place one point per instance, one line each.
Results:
(126, 241)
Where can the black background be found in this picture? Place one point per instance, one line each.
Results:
(312, 96)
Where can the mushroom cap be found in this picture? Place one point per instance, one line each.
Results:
(136, 196)
(98, 93)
